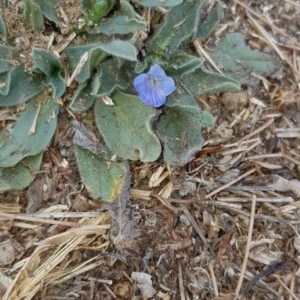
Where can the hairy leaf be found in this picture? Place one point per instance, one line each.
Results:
(126, 128)
(121, 24)
(179, 129)
(180, 24)
(32, 14)
(115, 74)
(153, 3)
(21, 175)
(104, 180)
(20, 86)
(209, 23)
(31, 133)
(96, 53)
(48, 64)
(181, 64)
(238, 61)
(202, 81)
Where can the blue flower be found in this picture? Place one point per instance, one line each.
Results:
(154, 87)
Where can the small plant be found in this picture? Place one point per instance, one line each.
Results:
(168, 76)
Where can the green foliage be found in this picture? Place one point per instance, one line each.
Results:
(121, 24)
(179, 129)
(3, 30)
(202, 81)
(238, 61)
(33, 16)
(115, 74)
(31, 133)
(21, 175)
(83, 98)
(48, 9)
(35, 9)
(209, 23)
(181, 64)
(97, 9)
(48, 64)
(126, 128)
(104, 180)
(153, 3)
(19, 86)
(180, 24)
(97, 53)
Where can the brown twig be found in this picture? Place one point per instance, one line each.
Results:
(286, 288)
(180, 277)
(196, 227)
(230, 183)
(39, 220)
(213, 278)
(250, 229)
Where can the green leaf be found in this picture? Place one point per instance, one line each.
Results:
(32, 15)
(21, 175)
(238, 61)
(96, 53)
(121, 24)
(3, 30)
(115, 74)
(126, 128)
(152, 3)
(83, 98)
(102, 179)
(121, 49)
(48, 9)
(179, 129)
(202, 82)
(8, 53)
(208, 25)
(181, 64)
(180, 24)
(75, 53)
(48, 64)
(22, 87)
(21, 142)
(97, 9)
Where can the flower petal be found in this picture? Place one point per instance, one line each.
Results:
(154, 98)
(157, 72)
(167, 86)
(140, 82)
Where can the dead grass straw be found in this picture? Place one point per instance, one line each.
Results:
(249, 238)
(43, 268)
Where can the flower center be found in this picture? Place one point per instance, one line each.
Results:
(155, 83)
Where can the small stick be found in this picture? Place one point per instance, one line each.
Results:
(261, 199)
(196, 227)
(265, 20)
(40, 220)
(181, 287)
(293, 3)
(286, 288)
(250, 229)
(213, 278)
(267, 124)
(32, 128)
(167, 204)
(230, 183)
(201, 52)
(292, 285)
(78, 68)
(105, 281)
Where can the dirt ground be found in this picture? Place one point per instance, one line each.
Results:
(224, 226)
